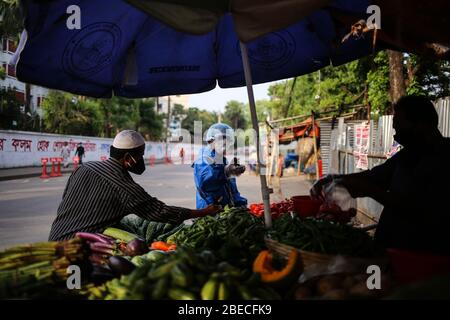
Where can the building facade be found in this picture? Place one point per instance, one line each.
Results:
(174, 122)
(38, 94)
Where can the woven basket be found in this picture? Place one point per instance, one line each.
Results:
(308, 258)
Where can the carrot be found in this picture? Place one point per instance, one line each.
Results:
(159, 245)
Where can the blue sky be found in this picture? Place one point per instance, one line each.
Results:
(215, 100)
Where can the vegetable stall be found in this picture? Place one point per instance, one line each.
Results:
(229, 256)
(238, 254)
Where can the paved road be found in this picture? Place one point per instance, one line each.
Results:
(28, 206)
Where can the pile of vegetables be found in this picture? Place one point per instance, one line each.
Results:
(113, 242)
(276, 273)
(31, 270)
(276, 209)
(322, 236)
(186, 274)
(233, 226)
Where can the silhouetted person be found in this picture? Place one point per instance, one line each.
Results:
(413, 185)
(80, 153)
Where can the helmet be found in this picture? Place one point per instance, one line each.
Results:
(220, 130)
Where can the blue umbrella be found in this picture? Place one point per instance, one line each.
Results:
(121, 49)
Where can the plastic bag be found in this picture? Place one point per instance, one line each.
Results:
(337, 195)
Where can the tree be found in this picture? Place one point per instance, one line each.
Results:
(178, 112)
(235, 115)
(64, 113)
(396, 77)
(150, 124)
(9, 109)
(378, 84)
(11, 19)
(120, 114)
(376, 81)
(207, 119)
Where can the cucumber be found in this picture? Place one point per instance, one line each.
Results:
(155, 255)
(181, 275)
(161, 270)
(209, 289)
(161, 288)
(224, 293)
(120, 234)
(180, 294)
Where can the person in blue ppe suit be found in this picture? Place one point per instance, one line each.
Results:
(215, 178)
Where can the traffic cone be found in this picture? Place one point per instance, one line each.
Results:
(58, 172)
(53, 173)
(44, 174)
(152, 161)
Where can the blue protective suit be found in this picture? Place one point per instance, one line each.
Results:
(213, 187)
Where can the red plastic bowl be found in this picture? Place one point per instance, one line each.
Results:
(305, 206)
(410, 266)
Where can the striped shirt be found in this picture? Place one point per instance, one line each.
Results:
(99, 194)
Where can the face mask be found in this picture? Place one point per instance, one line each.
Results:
(138, 167)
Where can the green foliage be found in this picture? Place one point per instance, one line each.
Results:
(378, 84)
(150, 124)
(67, 114)
(432, 77)
(194, 114)
(9, 109)
(347, 85)
(11, 22)
(235, 115)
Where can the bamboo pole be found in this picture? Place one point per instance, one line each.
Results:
(251, 99)
(315, 145)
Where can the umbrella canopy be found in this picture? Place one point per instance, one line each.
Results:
(122, 49)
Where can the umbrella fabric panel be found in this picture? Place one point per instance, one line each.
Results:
(171, 62)
(307, 46)
(86, 61)
(278, 55)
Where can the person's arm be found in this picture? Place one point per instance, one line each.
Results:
(372, 183)
(210, 177)
(145, 206)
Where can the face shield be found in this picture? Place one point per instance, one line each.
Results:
(220, 136)
(224, 144)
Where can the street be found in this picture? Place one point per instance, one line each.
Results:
(28, 206)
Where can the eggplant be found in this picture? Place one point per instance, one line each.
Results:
(101, 274)
(120, 266)
(135, 247)
(92, 237)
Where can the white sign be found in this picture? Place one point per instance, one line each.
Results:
(362, 143)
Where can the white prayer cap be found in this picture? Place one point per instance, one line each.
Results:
(128, 139)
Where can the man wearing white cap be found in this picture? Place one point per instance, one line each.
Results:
(100, 193)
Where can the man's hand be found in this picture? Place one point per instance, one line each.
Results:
(210, 210)
(234, 170)
(316, 190)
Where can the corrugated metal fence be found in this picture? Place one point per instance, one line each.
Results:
(443, 110)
